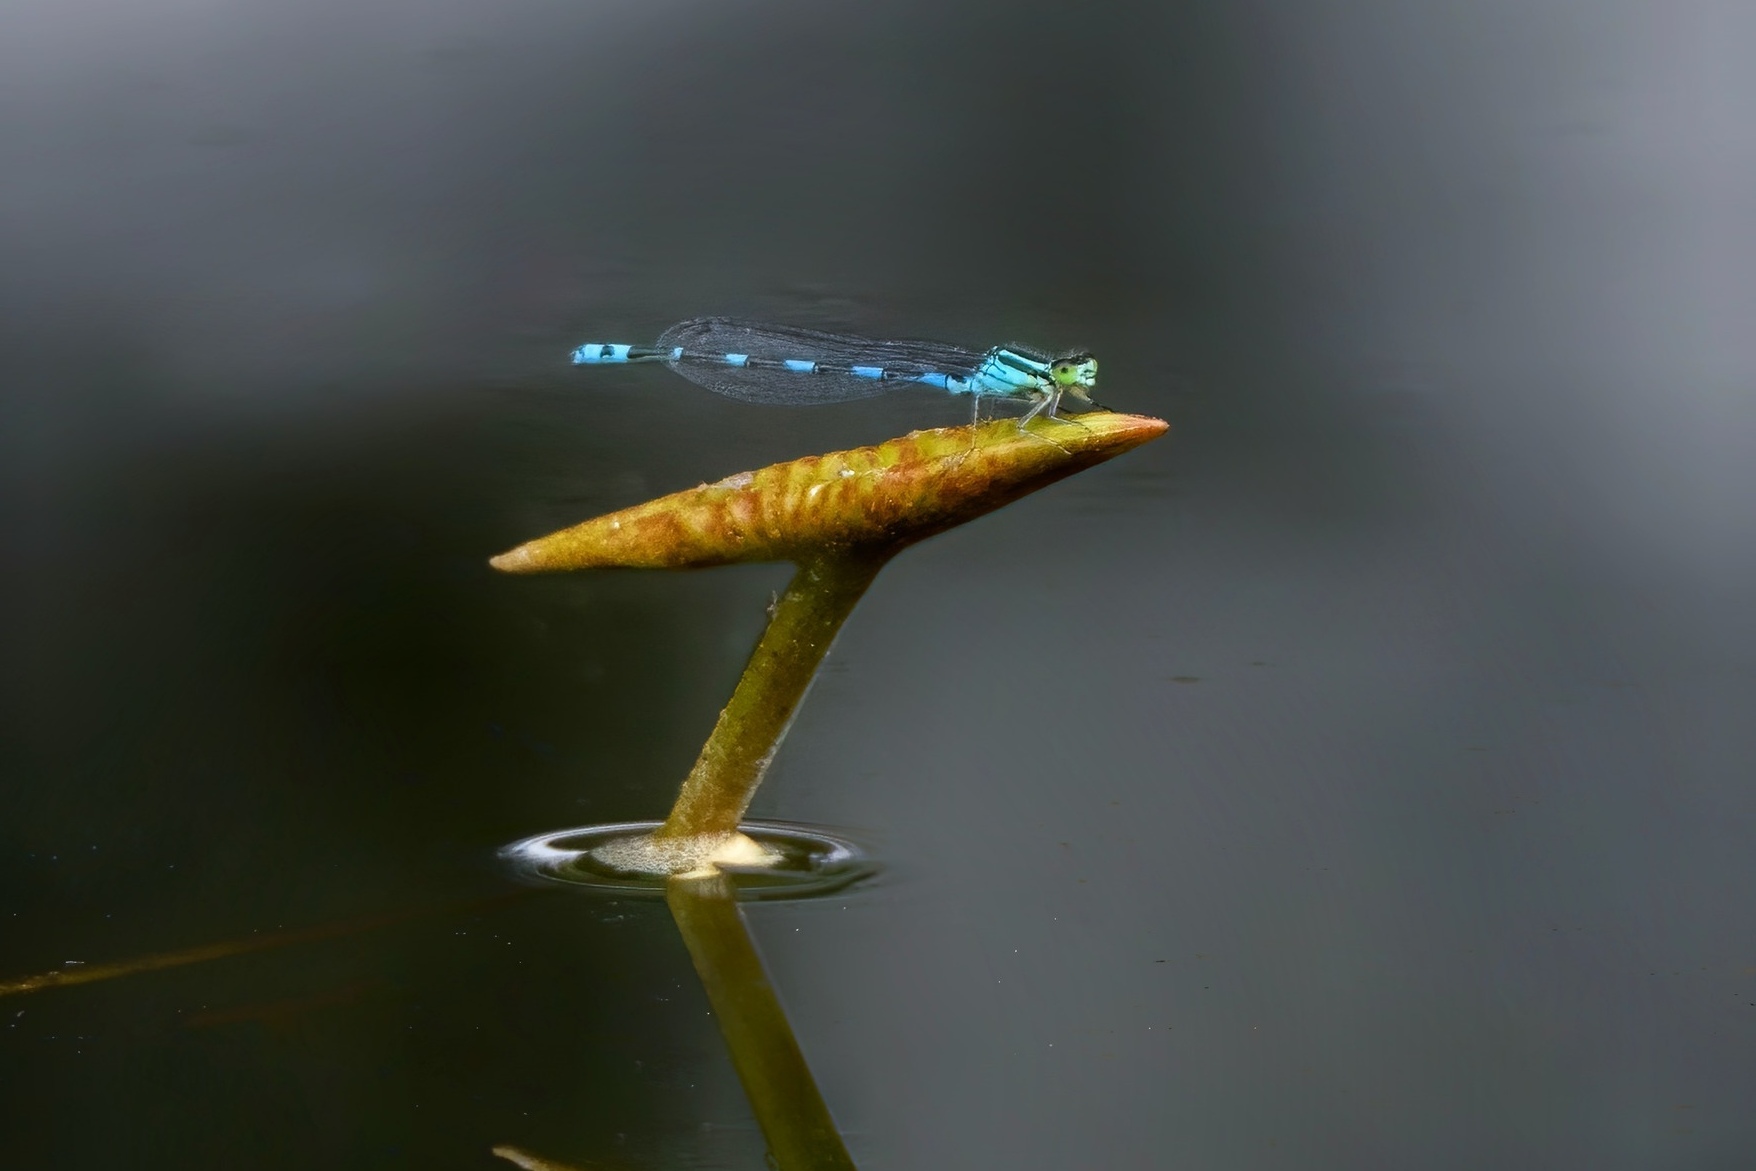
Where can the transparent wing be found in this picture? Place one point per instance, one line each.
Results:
(706, 340)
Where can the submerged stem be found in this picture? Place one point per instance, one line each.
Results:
(783, 1095)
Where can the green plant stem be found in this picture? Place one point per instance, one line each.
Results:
(806, 618)
(789, 1108)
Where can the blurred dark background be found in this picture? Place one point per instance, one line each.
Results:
(1360, 776)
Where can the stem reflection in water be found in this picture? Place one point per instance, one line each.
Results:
(783, 1095)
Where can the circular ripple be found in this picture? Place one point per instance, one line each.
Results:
(802, 860)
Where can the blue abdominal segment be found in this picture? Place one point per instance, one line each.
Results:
(615, 354)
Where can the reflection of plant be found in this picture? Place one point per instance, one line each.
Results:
(254, 942)
(795, 1121)
(532, 1162)
(840, 516)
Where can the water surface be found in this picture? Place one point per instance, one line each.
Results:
(1358, 776)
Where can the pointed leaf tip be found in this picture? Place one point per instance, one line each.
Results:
(512, 561)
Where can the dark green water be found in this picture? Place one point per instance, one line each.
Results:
(1359, 776)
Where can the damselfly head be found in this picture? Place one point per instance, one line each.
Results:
(1074, 370)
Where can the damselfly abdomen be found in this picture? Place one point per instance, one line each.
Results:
(763, 363)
